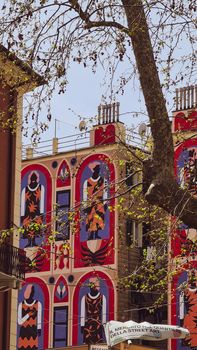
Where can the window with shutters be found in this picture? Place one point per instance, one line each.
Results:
(133, 233)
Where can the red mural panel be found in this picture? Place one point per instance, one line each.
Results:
(93, 305)
(183, 122)
(181, 241)
(61, 291)
(62, 252)
(63, 175)
(105, 135)
(95, 218)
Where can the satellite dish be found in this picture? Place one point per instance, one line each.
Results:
(142, 129)
(82, 125)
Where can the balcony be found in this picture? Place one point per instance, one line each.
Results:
(12, 261)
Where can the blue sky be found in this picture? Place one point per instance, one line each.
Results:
(86, 90)
(84, 93)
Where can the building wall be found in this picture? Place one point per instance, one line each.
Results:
(64, 268)
(10, 169)
(183, 309)
(5, 161)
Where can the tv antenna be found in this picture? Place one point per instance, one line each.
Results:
(142, 129)
(82, 125)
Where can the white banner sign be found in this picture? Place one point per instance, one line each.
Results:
(99, 347)
(117, 332)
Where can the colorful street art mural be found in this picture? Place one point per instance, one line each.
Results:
(61, 290)
(184, 306)
(33, 309)
(32, 206)
(92, 307)
(186, 173)
(184, 302)
(61, 256)
(94, 237)
(105, 135)
(184, 121)
(57, 282)
(35, 209)
(186, 165)
(63, 175)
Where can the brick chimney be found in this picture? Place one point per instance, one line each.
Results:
(186, 98)
(108, 129)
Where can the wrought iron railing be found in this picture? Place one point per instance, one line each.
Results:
(12, 261)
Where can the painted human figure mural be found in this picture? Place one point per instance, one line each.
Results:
(95, 195)
(93, 313)
(94, 240)
(93, 306)
(187, 176)
(29, 320)
(188, 310)
(32, 206)
(35, 209)
(188, 170)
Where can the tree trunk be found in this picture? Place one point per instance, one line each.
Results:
(162, 187)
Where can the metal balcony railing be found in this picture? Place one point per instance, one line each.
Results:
(73, 143)
(12, 261)
(56, 145)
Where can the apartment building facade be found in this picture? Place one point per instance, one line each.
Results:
(77, 255)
